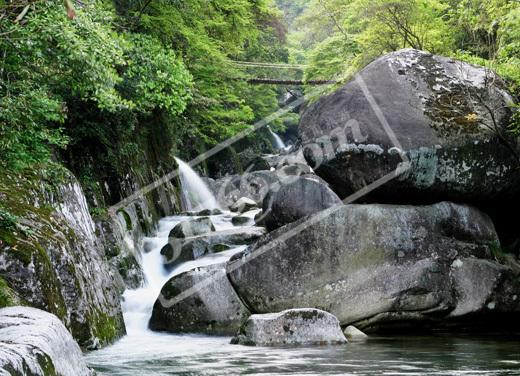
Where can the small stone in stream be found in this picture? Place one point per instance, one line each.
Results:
(240, 220)
(216, 212)
(243, 205)
(306, 326)
(192, 227)
(168, 253)
(194, 247)
(354, 334)
(148, 246)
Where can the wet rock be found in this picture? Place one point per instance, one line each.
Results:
(34, 342)
(372, 265)
(148, 245)
(354, 334)
(122, 250)
(194, 247)
(192, 227)
(295, 199)
(439, 132)
(240, 220)
(297, 169)
(253, 185)
(242, 205)
(208, 304)
(202, 213)
(291, 327)
(59, 265)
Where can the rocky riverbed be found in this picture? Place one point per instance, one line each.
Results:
(380, 218)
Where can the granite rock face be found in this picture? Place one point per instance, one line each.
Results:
(291, 327)
(427, 116)
(56, 262)
(374, 265)
(36, 343)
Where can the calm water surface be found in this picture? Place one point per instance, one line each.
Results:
(162, 354)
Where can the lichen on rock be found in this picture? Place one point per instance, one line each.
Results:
(53, 260)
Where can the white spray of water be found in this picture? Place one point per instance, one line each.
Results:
(278, 143)
(138, 304)
(196, 194)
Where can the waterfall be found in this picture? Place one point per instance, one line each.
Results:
(138, 304)
(278, 143)
(196, 195)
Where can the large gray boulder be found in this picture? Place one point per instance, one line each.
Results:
(35, 342)
(295, 199)
(378, 264)
(444, 119)
(199, 301)
(291, 327)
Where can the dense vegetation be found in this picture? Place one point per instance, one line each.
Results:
(342, 36)
(92, 83)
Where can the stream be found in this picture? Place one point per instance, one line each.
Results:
(143, 352)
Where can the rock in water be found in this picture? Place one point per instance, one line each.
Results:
(34, 342)
(194, 247)
(295, 199)
(208, 304)
(243, 205)
(291, 327)
(437, 114)
(354, 334)
(376, 264)
(241, 220)
(192, 227)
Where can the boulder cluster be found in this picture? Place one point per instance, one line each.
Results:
(420, 142)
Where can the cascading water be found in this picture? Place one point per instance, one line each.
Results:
(278, 143)
(138, 304)
(196, 195)
(143, 352)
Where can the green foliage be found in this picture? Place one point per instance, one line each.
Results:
(340, 37)
(50, 63)
(8, 297)
(209, 35)
(8, 220)
(154, 78)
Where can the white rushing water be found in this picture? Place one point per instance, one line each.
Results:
(143, 352)
(138, 304)
(278, 143)
(195, 193)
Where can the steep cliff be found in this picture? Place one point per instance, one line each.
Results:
(51, 258)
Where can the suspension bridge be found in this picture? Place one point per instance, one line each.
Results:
(280, 66)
